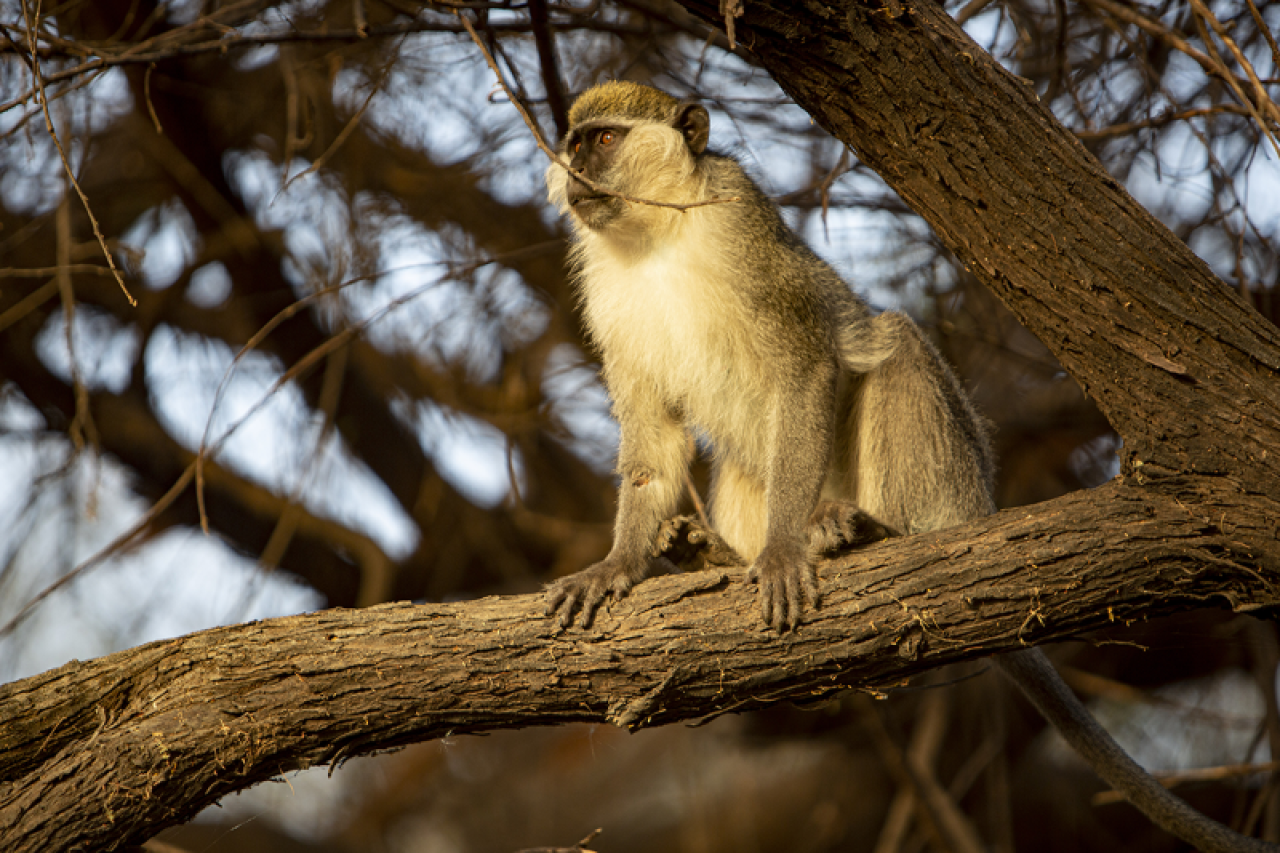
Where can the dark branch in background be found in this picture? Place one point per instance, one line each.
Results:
(244, 41)
(208, 449)
(544, 39)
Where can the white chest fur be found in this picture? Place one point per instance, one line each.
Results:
(672, 319)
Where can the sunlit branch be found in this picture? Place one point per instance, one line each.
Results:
(1261, 100)
(1165, 118)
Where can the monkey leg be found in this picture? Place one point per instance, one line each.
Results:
(653, 457)
(692, 545)
(836, 525)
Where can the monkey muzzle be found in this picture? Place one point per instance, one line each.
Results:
(593, 209)
(579, 193)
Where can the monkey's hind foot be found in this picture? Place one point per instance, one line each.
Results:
(693, 546)
(837, 525)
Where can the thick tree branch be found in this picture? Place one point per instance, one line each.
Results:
(144, 738)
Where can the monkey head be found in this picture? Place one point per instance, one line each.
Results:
(631, 139)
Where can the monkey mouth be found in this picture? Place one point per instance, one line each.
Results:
(594, 211)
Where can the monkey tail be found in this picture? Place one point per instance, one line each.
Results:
(1040, 682)
(863, 342)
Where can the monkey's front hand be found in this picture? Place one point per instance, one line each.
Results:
(586, 590)
(788, 584)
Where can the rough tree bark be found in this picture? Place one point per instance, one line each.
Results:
(108, 752)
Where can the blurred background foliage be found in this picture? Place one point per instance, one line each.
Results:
(351, 294)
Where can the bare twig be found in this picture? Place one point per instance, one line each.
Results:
(1266, 33)
(292, 140)
(1261, 100)
(968, 10)
(234, 40)
(31, 94)
(82, 424)
(119, 543)
(358, 19)
(942, 817)
(1129, 15)
(34, 64)
(209, 449)
(1199, 774)
(146, 95)
(1168, 117)
(552, 84)
(730, 10)
(351, 125)
(552, 155)
(1091, 684)
(580, 847)
(824, 189)
(45, 272)
(921, 752)
(287, 524)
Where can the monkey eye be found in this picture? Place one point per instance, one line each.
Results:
(607, 137)
(577, 146)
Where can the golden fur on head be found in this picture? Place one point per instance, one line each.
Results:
(623, 99)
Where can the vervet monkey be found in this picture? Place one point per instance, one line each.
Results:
(828, 426)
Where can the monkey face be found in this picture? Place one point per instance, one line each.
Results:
(594, 151)
(631, 140)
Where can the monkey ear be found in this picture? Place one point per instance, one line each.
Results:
(695, 124)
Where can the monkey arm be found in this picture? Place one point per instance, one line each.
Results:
(800, 451)
(653, 456)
